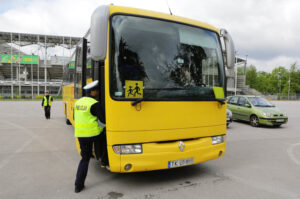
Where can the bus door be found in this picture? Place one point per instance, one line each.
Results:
(96, 72)
(80, 69)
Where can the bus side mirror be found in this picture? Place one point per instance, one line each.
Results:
(98, 33)
(229, 48)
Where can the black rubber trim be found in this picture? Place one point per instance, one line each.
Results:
(272, 118)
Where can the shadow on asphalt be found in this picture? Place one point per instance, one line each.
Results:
(176, 175)
(261, 126)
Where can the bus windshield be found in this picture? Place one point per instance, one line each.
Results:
(174, 61)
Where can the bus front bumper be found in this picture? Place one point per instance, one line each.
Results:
(165, 155)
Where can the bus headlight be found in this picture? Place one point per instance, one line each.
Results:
(218, 139)
(128, 149)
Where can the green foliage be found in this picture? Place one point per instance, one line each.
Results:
(251, 76)
(39, 97)
(240, 70)
(275, 82)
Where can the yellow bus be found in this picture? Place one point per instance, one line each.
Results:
(162, 86)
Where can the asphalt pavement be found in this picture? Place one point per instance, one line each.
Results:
(38, 159)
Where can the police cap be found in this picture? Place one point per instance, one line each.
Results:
(92, 86)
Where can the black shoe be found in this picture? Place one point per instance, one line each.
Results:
(104, 163)
(78, 188)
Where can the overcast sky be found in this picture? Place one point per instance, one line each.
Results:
(266, 30)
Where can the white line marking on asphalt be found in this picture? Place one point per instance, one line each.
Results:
(290, 152)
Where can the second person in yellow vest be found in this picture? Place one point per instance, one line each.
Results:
(46, 104)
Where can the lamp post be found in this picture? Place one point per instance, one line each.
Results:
(235, 78)
(245, 69)
(279, 82)
(289, 84)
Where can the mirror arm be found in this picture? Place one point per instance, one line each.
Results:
(221, 101)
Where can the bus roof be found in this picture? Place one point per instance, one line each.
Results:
(120, 9)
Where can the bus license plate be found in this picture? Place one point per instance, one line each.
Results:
(280, 120)
(179, 163)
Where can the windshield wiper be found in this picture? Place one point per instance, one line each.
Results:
(167, 89)
(138, 101)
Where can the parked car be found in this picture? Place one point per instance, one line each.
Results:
(256, 110)
(229, 116)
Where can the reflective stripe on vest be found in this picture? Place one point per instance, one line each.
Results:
(86, 124)
(46, 101)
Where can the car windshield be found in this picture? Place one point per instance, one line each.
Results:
(163, 60)
(261, 102)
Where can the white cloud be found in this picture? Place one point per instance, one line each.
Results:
(269, 65)
(265, 30)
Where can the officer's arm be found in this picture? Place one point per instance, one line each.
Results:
(43, 102)
(97, 111)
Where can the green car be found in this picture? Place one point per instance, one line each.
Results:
(256, 110)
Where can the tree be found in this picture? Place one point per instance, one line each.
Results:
(294, 77)
(251, 76)
(263, 84)
(240, 70)
(275, 82)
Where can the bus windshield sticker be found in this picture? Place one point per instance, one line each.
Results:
(118, 94)
(133, 89)
(219, 92)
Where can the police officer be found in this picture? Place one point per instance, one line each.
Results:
(46, 104)
(87, 111)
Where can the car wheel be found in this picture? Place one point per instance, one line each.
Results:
(254, 121)
(277, 125)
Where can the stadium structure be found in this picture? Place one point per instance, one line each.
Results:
(29, 64)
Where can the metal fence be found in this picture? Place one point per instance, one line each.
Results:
(282, 96)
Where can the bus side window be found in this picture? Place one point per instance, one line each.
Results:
(78, 73)
(95, 66)
(100, 75)
(80, 68)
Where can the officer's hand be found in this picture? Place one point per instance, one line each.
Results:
(42, 107)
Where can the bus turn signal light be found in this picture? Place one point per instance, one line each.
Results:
(128, 149)
(218, 139)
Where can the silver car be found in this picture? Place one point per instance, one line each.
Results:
(229, 117)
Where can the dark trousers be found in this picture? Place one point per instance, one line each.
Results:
(86, 146)
(101, 148)
(47, 110)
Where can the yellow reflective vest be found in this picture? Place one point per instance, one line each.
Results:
(46, 101)
(86, 124)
